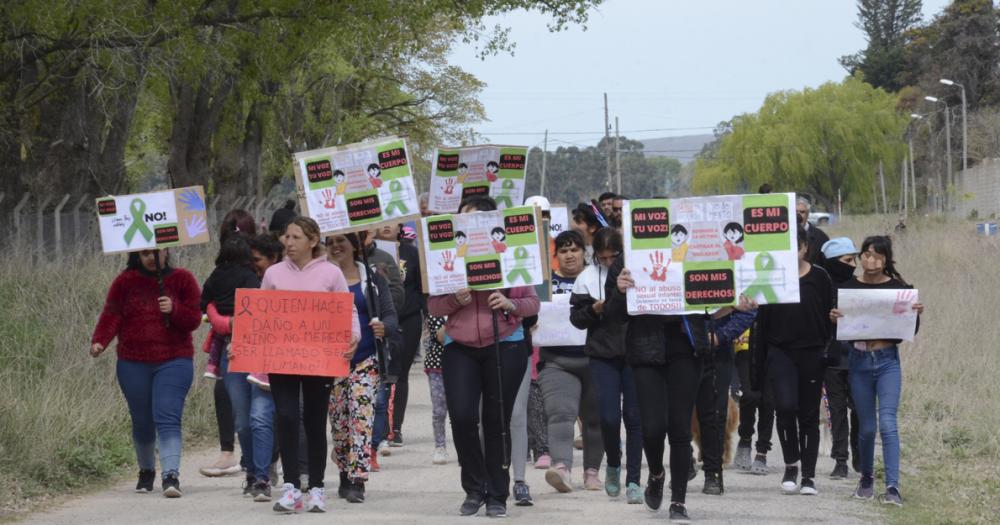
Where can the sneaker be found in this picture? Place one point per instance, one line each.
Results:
(248, 486)
(522, 495)
(742, 459)
(262, 491)
(146, 479)
(678, 513)
(274, 473)
(591, 481)
(496, 510)
(172, 486)
(440, 456)
(808, 487)
(383, 448)
(543, 462)
(356, 492)
(654, 492)
(558, 477)
(397, 439)
(790, 482)
(866, 488)
(839, 470)
(633, 494)
(612, 481)
(212, 371)
(891, 497)
(759, 466)
(713, 484)
(316, 500)
(373, 464)
(290, 500)
(227, 465)
(260, 380)
(471, 505)
(578, 442)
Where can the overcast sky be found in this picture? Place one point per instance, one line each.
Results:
(673, 67)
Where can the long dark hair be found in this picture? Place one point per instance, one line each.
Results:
(479, 202)
(237, 221)
(606, 239)
(883, 246)
(134, 263)
(235, 251)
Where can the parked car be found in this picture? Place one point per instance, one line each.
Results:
(820, 218)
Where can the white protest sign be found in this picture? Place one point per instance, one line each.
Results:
(147, 221)
(390, 247)
(558, 220)
(458, 173)
(553, 327)
(876, 314)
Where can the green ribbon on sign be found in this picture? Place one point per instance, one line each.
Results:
(397, 199)
(522, 259)
(764, 265)
(137, 208)
(503, 196)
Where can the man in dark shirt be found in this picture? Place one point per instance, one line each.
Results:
(815, 237)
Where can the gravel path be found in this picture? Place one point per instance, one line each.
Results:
(409, 489)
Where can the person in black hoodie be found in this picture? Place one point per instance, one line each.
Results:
(665, 354)
(790, 341)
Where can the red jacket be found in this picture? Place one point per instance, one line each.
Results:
(132, 314)
(472, 324)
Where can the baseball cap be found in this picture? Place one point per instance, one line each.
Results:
(839, 246)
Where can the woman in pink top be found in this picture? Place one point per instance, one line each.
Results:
(304, 268)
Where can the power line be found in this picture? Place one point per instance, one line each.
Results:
(592, 132)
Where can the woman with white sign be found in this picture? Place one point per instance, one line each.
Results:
(153, 324)
(612, 376)
(875, 376)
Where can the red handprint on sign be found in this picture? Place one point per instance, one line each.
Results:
(660, 264)
(329, 202)
(904, 302)
(449, 186)
(447, 261)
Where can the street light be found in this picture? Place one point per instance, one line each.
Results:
(947, 136)
(965, 126)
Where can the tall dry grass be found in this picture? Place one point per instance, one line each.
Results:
(63, 422)
(950, 412)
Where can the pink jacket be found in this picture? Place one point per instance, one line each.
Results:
(472, 324)
(319, 275)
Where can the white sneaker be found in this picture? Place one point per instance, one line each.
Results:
(316, 500)
(440, 455)
(383, 448)
(290, 501)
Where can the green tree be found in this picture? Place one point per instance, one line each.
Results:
(819, 141)
(884, 23)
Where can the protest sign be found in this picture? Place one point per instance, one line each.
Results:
(876, 314)
(148, 221)
(354, 187)
(497, 171)
(483, 250)
(558, 220)
(692, 254)
(553, 327)
(288, 332)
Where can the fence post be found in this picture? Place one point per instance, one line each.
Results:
(215, 209)
(58, 219)
(76, 217)
(40, 241)
(17, 216)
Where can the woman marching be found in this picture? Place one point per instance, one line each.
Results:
(611, 375)
(483, 361)
(352, 402)
(790, 341)
(153, 323)
(875, 375)
(304, 268)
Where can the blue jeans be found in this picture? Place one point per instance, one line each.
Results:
(381, 427)
(875, 377)
(253, 411)
(615, 392)
(155, 395)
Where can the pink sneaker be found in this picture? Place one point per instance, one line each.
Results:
(260, 380)
(543, 462)
(591, 481)
(558, 476)
(212, 371)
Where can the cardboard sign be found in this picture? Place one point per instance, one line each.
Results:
(355, 187)
(149, 221)
(876, 314)
(459, 173)
(288, 332)
(483, 250)
(554, 328)
(701, 253)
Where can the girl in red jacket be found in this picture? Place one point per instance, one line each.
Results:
(155, 353)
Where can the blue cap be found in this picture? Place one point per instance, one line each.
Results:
(839, 246)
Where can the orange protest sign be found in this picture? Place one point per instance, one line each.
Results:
(286, 332)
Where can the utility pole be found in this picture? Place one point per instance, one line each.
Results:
(618, 160)
(607, 137)
(881, 178)
(913, 174)
(545, 156)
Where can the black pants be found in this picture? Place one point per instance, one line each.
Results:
(666, 402)
(315, 395)
(411, 327)
(224, 418)
(796, 378)
(712, 404)
(838, 394)
(750, 409)
(470, 381)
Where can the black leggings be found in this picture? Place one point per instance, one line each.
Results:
(796, 378)
(315, 392)
(713, 406)
(751, 408)
(666, 402)
(411, 327)
(224, 418)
